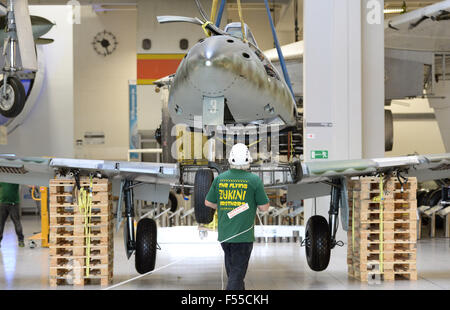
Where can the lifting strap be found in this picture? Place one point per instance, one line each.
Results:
(353, 220)
(381, 224)
(85, 208)
(207, 33)
(214, 10)
(244, 36)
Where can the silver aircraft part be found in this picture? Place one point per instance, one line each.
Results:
(158, 193)
(177, 19)
(137, 171)
(7, 98)
(119, 207)
(213, 110)
(27, 49)
(344, 208)
(225, 66)
(12, 55)
(388, 131)
(197, 21)
(38, 171)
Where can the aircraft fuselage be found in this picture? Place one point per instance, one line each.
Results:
(235, 73)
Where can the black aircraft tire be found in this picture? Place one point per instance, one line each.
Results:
(421, 196)
(434, 198)
(19, 98)
(318, 243)
(203, 181)
(146, 234)
(173, 202)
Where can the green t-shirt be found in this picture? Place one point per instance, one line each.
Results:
(229, 191)
(9, 193)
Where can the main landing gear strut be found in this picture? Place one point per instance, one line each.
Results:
(320, 235)
(143, 242)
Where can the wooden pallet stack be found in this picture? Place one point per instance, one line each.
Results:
(383, 234)
(81, 254)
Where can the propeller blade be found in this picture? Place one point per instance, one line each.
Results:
(178, 19)
(182, 19)
(43, 41)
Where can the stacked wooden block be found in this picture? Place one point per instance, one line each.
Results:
(383, 233)
(81, 244)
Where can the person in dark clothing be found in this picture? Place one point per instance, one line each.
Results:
(237, 194)
(9, 206)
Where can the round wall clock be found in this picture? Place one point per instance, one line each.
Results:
(105, 43)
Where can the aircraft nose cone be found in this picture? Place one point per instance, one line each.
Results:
(209, 64)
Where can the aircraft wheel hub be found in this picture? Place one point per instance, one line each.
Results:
(7, 100)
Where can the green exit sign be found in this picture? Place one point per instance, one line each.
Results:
(319, 154)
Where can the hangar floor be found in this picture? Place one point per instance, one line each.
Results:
(197, 266)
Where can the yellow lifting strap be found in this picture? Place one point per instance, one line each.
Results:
(244, 37)
(353, 220)
(85, 208)
(214, 10)
(381, 224)
(204, 28)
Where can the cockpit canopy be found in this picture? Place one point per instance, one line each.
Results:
(235, 30)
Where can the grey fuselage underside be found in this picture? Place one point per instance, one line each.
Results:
(225, 66)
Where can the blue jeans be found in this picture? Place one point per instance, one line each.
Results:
(237, 256)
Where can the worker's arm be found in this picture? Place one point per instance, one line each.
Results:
(262, 201)
(264, 208)
(210, 204)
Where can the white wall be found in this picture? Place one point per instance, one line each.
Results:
(48, 131)
(101, 83)
(332, 72)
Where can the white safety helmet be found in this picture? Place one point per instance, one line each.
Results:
(239, 157)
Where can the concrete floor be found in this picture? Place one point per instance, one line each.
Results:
(198, 266)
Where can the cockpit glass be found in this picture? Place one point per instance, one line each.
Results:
(237, 33)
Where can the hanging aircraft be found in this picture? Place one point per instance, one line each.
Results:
(17, 42)
(219, 72)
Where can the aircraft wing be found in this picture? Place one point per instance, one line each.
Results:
(425, 29)
(292, 51)
(424, 167)
(317, 175)
(38, 171)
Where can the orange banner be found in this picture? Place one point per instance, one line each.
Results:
(152, 67)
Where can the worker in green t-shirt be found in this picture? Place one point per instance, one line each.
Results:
(9, 206)
(236, 194)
